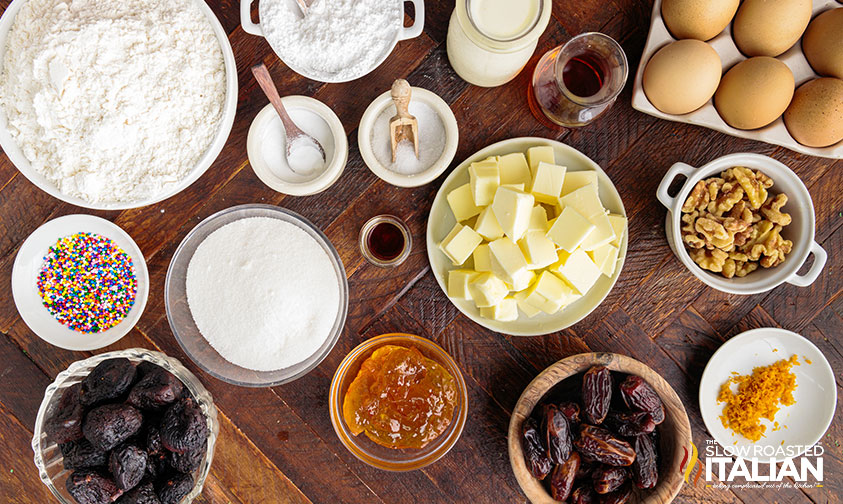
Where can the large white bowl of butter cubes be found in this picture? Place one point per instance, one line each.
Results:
(527, 236)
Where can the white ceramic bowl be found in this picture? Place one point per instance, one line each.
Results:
(48, 457)
(401, 33)
(800, 231)
(441, 221)
(775, 133)
(267, 132)
(452, 137)
(815, 394)
(28, 264)
(10, 147)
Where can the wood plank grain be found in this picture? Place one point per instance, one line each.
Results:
(19, 480)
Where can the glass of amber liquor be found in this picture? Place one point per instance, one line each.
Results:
(576, 82)
(398, 402)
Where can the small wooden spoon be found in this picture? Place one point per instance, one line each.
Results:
(295, 136)
(403, 126)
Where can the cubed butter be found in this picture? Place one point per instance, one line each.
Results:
(547, 183)
(575, 180)
(460, 243)
(584, 200)
(605, 258)
(512, 209)
(561, 258)
(505, 311)
(538, 219)
(462, 203)
(487, 290)
(550, 293)
(482, 258)
(518, 187)
(514, 169)
(458, 281)
(580, 271)
(487, 225)
(619, 227)
(508, 262)
(536, 155)
(521, 280)
(526, 308)
(539, 251)
(551, 222)
(569, 229)
(603, 233)
(484, 179)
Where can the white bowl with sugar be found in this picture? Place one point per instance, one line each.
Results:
(338, 40)
(438, 139)
(256, 295)
(267, 142)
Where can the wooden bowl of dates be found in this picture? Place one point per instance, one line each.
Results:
(599, 428)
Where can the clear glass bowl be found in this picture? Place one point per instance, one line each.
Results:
(181, 320)
(380, 456)
(48, 457)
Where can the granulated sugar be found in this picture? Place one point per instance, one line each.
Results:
(263, 293)
(337, 40)
(431, 140)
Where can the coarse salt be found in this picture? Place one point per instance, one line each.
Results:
(263, 293)
(432, 139)
(337, 40)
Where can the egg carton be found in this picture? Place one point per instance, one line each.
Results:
(707, 116)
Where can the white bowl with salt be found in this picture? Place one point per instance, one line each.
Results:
(267, 143)
(256, 295)
(438, 139)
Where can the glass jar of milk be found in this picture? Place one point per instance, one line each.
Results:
(490, 41)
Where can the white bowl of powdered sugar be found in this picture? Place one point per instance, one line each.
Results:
(338, 40)
(256, 295)
(114, 104)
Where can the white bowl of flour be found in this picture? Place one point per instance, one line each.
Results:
(256, 295)
(114, 104)
(338, 40)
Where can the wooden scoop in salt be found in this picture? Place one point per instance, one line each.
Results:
(403, 126)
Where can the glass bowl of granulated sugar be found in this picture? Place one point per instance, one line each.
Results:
(256, 295)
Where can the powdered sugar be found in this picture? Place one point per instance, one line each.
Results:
(113, 100)
(337, 40)
(263, 293)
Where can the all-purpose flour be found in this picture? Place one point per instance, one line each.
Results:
(263, 293)
(337, 40)
(113, 100)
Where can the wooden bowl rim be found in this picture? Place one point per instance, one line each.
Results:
(669, 484)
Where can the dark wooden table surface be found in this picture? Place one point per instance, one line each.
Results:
(277, 445)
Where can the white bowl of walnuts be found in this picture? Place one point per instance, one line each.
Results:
(743, 224)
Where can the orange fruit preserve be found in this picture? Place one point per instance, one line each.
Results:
(400, 398)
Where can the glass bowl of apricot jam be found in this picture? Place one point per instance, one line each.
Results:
(398, 402)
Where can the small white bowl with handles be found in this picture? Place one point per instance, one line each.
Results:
(400, 32)
(800, 231)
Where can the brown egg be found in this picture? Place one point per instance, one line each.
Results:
(698, 19)
(682, 76)
(754, 92)
(815, 116)
(823, 43)
(770, 27)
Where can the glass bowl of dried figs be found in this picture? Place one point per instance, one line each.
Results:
(599, 426)
(131, 423)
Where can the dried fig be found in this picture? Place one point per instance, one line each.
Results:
(109, 380)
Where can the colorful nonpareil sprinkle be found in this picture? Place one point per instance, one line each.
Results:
(87, 282)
